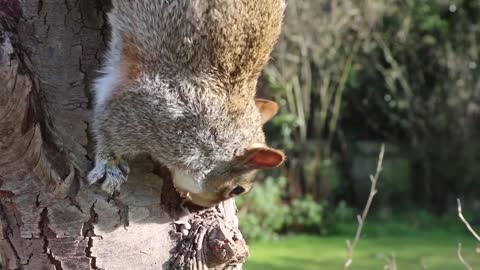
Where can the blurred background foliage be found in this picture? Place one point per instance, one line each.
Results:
(350, 75)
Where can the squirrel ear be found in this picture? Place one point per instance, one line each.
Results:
(268, 109)
(262, 157)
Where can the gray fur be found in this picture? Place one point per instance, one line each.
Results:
(179, 84)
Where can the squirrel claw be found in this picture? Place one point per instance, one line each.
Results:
(185, 195)
(115, 173)
(184, 226)
(95, 174)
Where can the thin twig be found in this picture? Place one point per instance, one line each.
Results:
(391, 263)
(460, 257)
(472, 231)
(424, 264)
(460, 214)
(361, 219)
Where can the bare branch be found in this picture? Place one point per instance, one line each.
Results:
(391, 263)
(361, 219)
(472, 231)
(460, 214)
(460, 257)
(424, 264)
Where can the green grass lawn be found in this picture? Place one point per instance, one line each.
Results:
(420, 251)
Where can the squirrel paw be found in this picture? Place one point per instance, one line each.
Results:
(183, 224)
(184, 227)
(115, 173)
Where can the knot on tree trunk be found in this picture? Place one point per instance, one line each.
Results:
(211, 243)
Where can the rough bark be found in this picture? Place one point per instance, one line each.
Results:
(49, 218)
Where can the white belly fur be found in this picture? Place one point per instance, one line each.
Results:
(186, 182)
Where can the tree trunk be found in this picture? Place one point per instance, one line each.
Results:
(49, 217)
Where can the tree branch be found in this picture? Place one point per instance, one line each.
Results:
(460, 257)
(391, 263)
(467, 224)
(363, 217)
(472, 231)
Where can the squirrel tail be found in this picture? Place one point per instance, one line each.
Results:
(233, 36)
(154, 29)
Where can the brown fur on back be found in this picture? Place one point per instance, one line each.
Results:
(226, 39)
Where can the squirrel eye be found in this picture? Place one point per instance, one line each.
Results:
(237, 191)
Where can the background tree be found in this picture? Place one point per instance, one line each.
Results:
(49, 219)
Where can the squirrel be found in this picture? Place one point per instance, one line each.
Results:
(179, 84)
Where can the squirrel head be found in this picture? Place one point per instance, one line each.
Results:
(233, 174)
(229, 180)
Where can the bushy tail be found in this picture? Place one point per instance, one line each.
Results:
(234, 36)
